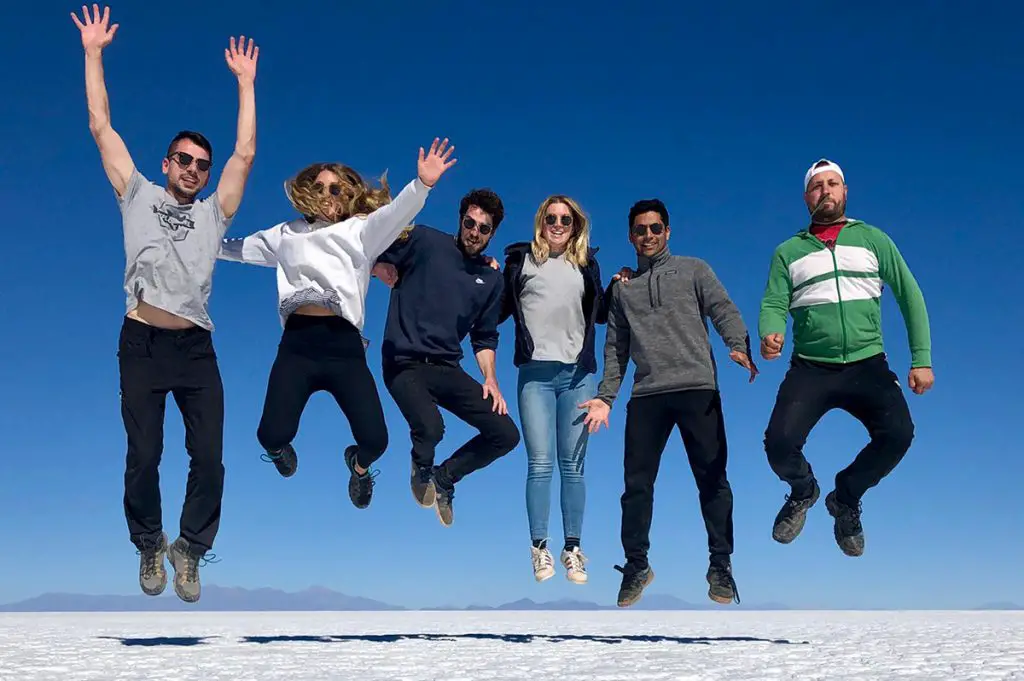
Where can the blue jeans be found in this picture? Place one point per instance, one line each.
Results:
(549, 394)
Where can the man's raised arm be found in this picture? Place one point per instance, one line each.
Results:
(97, 34)
(241, 60)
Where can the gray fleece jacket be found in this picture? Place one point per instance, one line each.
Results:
(658, 319)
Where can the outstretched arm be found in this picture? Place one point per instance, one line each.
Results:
(382, 226)
(97, 33)
(725, 316)
(256, 249)
(242, 62)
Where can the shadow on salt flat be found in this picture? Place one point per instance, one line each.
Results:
(517, 638)
(160, 640)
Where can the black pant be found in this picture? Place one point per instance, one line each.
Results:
(154, 362)
(869, 391)
(322, 353)
(419, 388)
(649, 422)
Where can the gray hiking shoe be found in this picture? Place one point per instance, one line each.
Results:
(152, 573)
(721, 585)
(791, 517)
(848, 531)
(421, 481)
(444, 494)
(186, 570)
(634, 582)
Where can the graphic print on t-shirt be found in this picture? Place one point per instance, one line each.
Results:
(174, 219)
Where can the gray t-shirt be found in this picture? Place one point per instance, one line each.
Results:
(170, 249)
(552, 303)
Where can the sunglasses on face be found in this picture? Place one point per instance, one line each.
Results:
(185, 160)
(641, 230)
(469, 224)
(550, 219)
(334, 189)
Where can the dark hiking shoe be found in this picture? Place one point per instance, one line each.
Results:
(721, 585)
(285, 460)
(186, 570)
(444, 494)
(422, 483)
(792, 516)
(360, 487)
(633, 584)
(152, 573)
(848, 531)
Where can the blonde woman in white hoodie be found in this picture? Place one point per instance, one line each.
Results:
(323, 261)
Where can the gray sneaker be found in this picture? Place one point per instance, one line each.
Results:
(634, 581)
(444, 497)
(152, 573)
(186, 570)
(421, 481)
(847, 529)
(793, 515)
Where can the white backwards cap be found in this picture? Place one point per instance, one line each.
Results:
(815, 169)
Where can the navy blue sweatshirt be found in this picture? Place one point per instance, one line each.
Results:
(441, 297)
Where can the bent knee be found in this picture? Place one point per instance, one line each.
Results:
(506, 435)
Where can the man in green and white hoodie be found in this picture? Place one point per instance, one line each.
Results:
(830, 277)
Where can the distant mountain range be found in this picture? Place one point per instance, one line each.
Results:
(236, 599)
(219, 598)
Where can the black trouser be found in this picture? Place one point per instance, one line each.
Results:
(419, 388)
(154, 362)
(649, 422)
(322, 353)
(869, 391)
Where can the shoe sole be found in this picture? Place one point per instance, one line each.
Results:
(429, 497)
(720, 599)
(177, 591)
(639, 595)
(543, 576)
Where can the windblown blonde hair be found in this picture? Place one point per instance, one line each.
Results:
(357, 196)
(578, 248)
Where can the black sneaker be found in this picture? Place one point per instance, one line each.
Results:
(721, 585)
(360, 487)
(285, 460)
(633, 584)
(792, 516)
(186, 570)
(848, 531)
(444, 493)
(152, 573)
(422, 483)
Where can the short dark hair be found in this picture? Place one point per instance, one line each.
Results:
(196, 138)
(646, 206)
(487, 201)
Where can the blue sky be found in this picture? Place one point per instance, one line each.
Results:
(718, 110)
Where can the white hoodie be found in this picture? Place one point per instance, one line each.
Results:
(328, 264)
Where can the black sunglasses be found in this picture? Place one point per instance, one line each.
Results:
(551, 219)
(469, 223)
(185, 160)
(334, 188)
(641, 230)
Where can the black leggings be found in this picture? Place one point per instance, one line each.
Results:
(322, 353)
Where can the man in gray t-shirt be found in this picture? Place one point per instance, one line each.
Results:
(171, 242)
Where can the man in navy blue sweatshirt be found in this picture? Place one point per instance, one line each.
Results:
(446, 290)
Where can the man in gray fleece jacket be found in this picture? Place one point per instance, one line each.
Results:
(657, 317)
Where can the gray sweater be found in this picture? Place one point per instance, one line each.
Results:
(658, 319)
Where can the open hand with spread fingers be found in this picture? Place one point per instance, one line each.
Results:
(597, 413)
(242, 59)
(433, 165)
(96, 30)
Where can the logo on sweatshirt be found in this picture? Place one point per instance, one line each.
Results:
(479, 280)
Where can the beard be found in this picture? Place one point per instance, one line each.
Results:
(828, 214)
(471, 248)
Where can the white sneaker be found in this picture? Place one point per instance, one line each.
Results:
(573, 562)
(543, 563)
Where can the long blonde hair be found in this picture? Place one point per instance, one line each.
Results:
(357, 197)
(577, 251)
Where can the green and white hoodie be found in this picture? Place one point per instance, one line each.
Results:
(835, 296)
